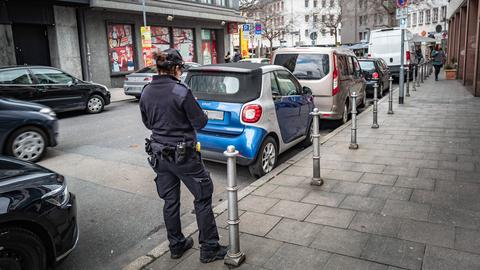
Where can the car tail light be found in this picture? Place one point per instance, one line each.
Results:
(369, 55)
(335, 86)
(126, 78)
(408, 56)
(375, 75)
(251, 113)
(147, 79)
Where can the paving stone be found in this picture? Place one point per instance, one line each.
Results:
(437, 174)
(380, 179)
(221, 219)
(439, 258)
(257, 224)
(352, 188)
(457, 151)
(418, 183)
(405, 209)
(287, 180)
(347, 242)
(298, 171)
(165, 262)
(468, 176)
(433, 198)
(331, 216)
(328, 184)
(289, 193)
(457, 187)
(295, 232)
(324, 198)
(455, 217)
(256, 203)
(401, 171)
(376, 224)
(193, 262)
(365, 167)
(395, 252)
(342, 175)
(458, 166)
(339, 262)
(265, 189)
(290, 256)
(467, 240)
(359, 203)
(437, 156)
(423, 163)
(258, 249)
(387, 192)
(427, 233)
(290, 209)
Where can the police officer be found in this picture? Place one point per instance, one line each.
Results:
(173, 115)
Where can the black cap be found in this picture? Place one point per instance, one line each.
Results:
(174, 56)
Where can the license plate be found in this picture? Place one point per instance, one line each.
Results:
(214, 115)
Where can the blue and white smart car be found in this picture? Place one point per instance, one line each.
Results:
(260, 109)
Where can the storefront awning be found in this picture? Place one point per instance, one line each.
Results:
(419, 39)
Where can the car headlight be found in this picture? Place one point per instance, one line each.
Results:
(58, 195)
(48, 111)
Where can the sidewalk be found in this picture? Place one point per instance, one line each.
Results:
(119, 95)
(408, 198)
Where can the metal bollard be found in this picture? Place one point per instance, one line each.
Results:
(422, 70)
(417, 78)
(375, 106)
(414, 81)
(427, 70)
(390, 96)
(408, 80)
(353, 142)
(317, 179)
(234, 256)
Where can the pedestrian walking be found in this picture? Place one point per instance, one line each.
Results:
(438, 60)
(237, 56)
(227, 57)
(171, 112)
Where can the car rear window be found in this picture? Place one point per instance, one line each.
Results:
(367, 65)
(225, 87)
(149, 69)
(305, 66)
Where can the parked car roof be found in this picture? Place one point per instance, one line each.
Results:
(244, 67)
(314, 50)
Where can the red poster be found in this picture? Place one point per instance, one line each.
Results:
(120, 41)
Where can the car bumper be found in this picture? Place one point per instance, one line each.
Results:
(133, 90)
(65, 221)
(52, 133)
(108, 98)
(247, 144)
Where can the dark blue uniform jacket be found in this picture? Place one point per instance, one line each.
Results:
(170, 111)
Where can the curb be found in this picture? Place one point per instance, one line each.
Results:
(163, 248)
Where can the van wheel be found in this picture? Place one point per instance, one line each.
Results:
(344, 114)
(21, 249)
(266, 158)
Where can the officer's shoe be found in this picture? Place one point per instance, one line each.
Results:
(177, 254)
(210, 255)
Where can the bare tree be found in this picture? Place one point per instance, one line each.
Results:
(330, 18)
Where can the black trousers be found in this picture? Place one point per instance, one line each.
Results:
(437, 70)
(193, 174)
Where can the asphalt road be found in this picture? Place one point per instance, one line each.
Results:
(119, 212)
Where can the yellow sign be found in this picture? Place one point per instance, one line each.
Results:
(146, 36)
(243, 44)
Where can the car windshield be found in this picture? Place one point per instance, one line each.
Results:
(225, 87)
(367, 65)
(149, 69)
(305, 66)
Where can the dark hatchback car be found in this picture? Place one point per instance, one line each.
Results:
(371, 65)
(26, 129)
(53, 88)
(38, 216)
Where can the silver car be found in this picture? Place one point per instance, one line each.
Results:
(135, 82)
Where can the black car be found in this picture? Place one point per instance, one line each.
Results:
(371, 65)
(38, 216)
(26, 129)
(53, 88)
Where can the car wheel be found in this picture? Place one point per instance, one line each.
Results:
(344, 114)
(21, 249)
(27, 143)
(95, 104)
(266, 158)
(364, 99)
(308, 139)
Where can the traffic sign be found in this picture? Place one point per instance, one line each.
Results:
(403, 23)
(402, 3)
(313, 36)
(258, 29)
(401, 13)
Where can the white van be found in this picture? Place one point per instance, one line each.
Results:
(386, 44)
(331, 73)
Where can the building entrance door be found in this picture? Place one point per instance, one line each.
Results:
(31, 44)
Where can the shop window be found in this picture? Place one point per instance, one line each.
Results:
(121, 48)
(183, 41)
(209, 47)
(160, 38)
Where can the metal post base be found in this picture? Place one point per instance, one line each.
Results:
(234, 259)
(316, 182)
(375, 126)
(353, 146)
(390, 112)
(400, 100)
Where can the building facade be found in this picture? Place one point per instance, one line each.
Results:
(362, 16)
(101, 41)
(428, 18)
(464, 40)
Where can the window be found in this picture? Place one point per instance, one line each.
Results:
(183, 42)
(324, 3)
(444, 13)
(305, 66)
(324, 32)
(306, 3)
(343, 65)
(435, 15)
(409, 20)
(120, 47)
(324, 18)
(306, 32)
(428, 16)
(315, 3)
(215, 84)
(414, 19)
(367, 65)
(332, 18)
(380, 19)
(274, 85)
(16, 76)
(360, 35)
(420, 18)
(375, 19)
(315, 17)
(287, 84)
(332, 3)
(307, 18)
(51, 76)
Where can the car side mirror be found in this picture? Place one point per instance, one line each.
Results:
(307, 90)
